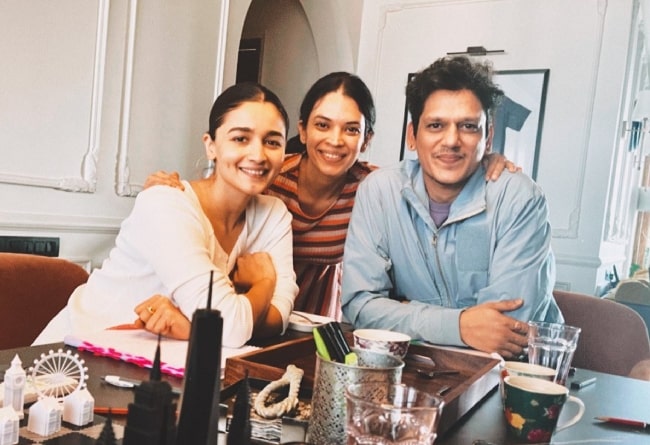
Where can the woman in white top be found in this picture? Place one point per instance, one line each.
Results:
(158, 272)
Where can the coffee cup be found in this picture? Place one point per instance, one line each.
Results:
(532, 407)
(382, 341)
(510, 368)
(527, 370)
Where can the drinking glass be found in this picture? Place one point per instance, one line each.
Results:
(552, 345)
(391, 414)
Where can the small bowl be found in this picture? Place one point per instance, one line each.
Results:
(382, 341)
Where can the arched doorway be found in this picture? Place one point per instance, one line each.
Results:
(299, 42)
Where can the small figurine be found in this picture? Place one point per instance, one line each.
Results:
(78, 407)
(45, 416)
(9, 426)
(239, 432)
(15, 378)
(107, 435)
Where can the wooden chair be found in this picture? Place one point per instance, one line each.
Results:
(614, 338)
(33, 289)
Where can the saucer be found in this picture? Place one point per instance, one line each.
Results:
(297, 322)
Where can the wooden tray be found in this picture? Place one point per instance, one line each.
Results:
(478, 374)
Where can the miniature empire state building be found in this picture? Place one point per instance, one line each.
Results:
(151, 419)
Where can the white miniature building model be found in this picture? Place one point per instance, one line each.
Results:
(9, 426)
(45, 416)
(14, 387)
(79, 407)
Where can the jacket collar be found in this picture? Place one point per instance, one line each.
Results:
(469, 202)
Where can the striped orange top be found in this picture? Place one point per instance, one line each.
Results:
(318, 241)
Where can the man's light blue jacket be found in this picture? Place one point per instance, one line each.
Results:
(495, 245)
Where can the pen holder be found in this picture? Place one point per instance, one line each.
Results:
(328, 405)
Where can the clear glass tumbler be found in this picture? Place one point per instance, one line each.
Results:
(389, 414)
(552, 345)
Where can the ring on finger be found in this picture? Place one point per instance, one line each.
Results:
(150, 309)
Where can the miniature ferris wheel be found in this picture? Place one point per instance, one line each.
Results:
(58, 374)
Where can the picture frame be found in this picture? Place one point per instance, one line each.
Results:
(518, 120)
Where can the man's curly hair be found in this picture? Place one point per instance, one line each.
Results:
(452, 73)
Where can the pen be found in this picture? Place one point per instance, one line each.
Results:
(351, 358)
(320, 345)
(105, 410)
(627, 422)
(334, 328)
(124, 382)
(329, 340)
(583, 383)
(113, 411)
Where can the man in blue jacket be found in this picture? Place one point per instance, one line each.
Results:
(436, 251)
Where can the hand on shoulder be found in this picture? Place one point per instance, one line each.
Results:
(495, 163)
(161, 177)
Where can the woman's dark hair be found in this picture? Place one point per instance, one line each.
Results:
(234, 96)
(454, 74)
(351, 86)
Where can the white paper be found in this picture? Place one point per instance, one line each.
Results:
(138, 346)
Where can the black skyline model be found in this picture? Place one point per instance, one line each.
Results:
(151, 419)
(198, 423)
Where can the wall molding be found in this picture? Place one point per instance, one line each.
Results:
(43, 222)
(86, 183)
(621, 214)
(588, 262)
(123, 187)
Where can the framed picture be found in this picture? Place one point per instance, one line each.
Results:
(403, 153)
(518, 119)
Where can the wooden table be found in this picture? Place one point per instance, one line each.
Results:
(610, 396)
(105, 395)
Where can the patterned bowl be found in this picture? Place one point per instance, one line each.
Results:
(382, 341)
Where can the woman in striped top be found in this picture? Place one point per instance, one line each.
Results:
(319, 184)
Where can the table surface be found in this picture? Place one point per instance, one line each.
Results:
(609, 396)
(612, 396)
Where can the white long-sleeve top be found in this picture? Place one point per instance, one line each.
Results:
(167, 246)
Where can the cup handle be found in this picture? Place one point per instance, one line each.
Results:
(578, 416)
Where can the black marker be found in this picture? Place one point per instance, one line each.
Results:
(583, 383)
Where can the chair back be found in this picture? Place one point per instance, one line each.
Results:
(635, 293)
(614, 337)
(33, 289)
